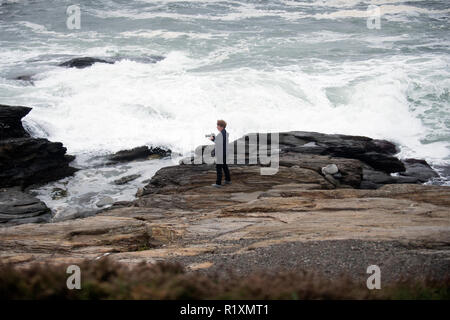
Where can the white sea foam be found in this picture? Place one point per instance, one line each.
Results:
(106, 108)
(384, 10)
(166, 34)
(344, 3)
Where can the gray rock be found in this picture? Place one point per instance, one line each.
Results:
(373, 179)
(418, 169)
(11, 121)
(379, 154)
(137, 153)
(332, 180)
(337, 175)
(105, 201)
(350, 154)
(58, 193)
(82, 62)
(330, 169)
(17, 207)
(25, 160)
(126, 179)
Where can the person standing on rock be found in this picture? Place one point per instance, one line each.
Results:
(220, 149)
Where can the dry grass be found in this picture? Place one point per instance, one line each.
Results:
(108, 280)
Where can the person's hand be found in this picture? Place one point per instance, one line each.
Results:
(211, 138)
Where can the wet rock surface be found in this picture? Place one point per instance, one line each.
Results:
(139, 153)
(18, 207)
(126, 179)
(25, 161)
(85, 62)
(11, 121)
(418, 169)
(82, 62)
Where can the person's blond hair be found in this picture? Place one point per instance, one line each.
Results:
(222, 123)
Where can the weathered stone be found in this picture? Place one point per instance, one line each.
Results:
(11, 121)
(418, 169)
(17, 207)
(330, 169)
(25, 160)
(126, 179)
(371, 151)
(137, 153)
(105, 201)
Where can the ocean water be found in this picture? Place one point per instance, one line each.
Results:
(262, 65)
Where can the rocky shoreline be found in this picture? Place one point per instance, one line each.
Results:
(25, 161)
(257, 222)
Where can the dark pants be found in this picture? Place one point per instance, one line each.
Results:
(219, 168)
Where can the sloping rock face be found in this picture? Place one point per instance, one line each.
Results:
(259, 221)
(17, 207)
(10, 122)
(25, 160)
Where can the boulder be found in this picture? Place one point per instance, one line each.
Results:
(418, 169)
(330, 169)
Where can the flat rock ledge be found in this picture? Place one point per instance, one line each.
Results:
(296, 219)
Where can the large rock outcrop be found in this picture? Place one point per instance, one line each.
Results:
(24, 161)
(362, 162)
